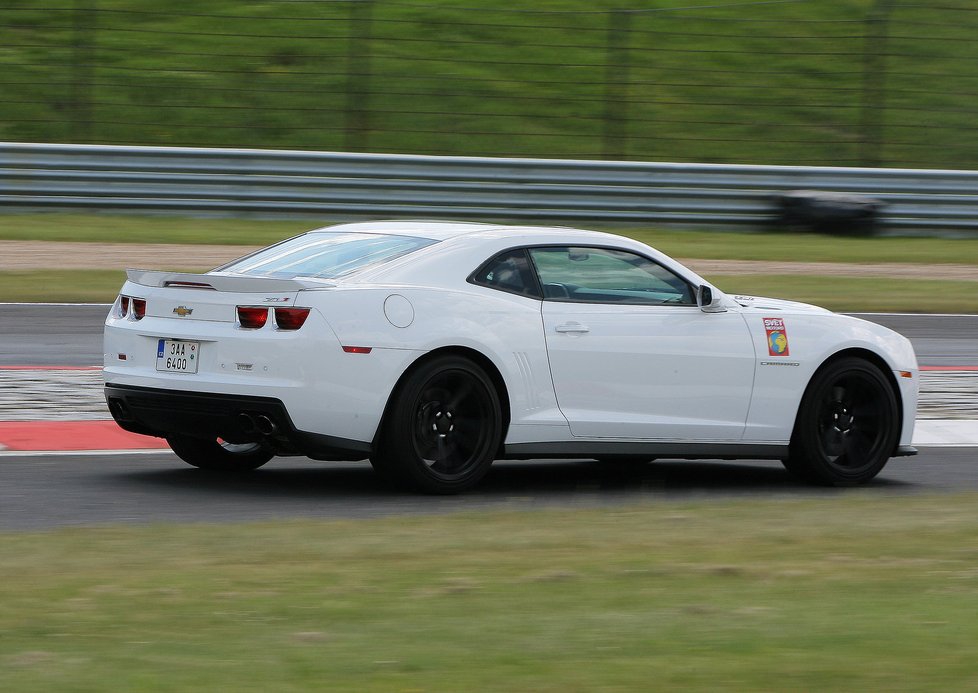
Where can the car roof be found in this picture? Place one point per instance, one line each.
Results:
(445, 230)
(434, 230)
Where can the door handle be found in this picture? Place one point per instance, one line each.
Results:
(572, 328)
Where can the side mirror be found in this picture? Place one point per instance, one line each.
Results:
(707, 301)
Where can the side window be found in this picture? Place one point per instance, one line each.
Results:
(509, 271)
(603, 275)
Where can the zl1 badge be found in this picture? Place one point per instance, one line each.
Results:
(777, 337)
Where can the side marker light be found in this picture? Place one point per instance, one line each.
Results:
(357, 349)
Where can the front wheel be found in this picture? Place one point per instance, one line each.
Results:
(443, 427)
(217, 454)
(847, 427)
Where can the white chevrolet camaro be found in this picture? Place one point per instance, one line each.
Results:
(434, 348)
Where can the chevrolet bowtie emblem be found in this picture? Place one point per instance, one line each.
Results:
(183, 311)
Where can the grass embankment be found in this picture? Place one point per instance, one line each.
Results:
(792, 83)
(719, 245)
(931, 294)
(846, 592)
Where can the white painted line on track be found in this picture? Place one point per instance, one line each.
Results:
(82, 453)
(920, 315)
(928, 433)
(945, 433)
(99, 305)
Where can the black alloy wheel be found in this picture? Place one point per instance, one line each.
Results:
(217, 454)
(443, 428)
(847, 426)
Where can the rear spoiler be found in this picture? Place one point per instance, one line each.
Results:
(223, 282)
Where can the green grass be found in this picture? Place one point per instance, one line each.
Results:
(112, 228)
(852, 294)
(771, 83)
(61, 286)
(837, 293)
(708, 245)
(857, 294)
(843, 592)
(796, 247)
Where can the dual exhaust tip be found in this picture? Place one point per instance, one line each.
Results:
(257, 423)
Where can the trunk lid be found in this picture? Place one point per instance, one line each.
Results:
(211, 297)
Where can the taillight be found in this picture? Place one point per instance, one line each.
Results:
(290, 318)
(252, 317)
(132, 306)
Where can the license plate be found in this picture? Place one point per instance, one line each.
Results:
(177, 356)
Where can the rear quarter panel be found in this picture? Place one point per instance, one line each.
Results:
(505, 328)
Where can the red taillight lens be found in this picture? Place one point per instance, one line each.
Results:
(290, 318)
(132, 306)
(252, 317)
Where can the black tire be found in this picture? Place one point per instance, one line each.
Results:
(847, 427)
(218, 455)
(443, 427)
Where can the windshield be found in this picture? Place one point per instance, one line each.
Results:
(324, 255)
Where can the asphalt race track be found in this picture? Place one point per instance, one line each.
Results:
(71, 335)
(51, 335)
(46, 492)
(43, 491)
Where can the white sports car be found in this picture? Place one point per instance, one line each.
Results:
(434, 348)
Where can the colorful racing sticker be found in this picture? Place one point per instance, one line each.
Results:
(777, 337)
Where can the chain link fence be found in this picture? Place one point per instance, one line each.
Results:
(833, 82)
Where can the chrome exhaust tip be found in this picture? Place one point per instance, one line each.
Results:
(247, 422)
(265, 425)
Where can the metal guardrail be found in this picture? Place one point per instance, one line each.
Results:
(267, 182)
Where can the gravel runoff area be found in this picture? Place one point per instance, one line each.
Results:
(35, 255)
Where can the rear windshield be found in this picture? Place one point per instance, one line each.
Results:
(324, 255)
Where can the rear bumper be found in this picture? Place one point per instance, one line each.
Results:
(156, 412)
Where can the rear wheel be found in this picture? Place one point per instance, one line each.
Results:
(443, 428)
(218, 454)
(847, 426)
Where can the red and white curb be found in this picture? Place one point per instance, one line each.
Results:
(61, 410)
(72, 436)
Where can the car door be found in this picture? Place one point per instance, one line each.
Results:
(631, 354)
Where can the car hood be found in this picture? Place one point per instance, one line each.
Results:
(768, 304)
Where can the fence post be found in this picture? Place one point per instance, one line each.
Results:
(615, 140)
(82, 69)
(874, 82)
(358, 77)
